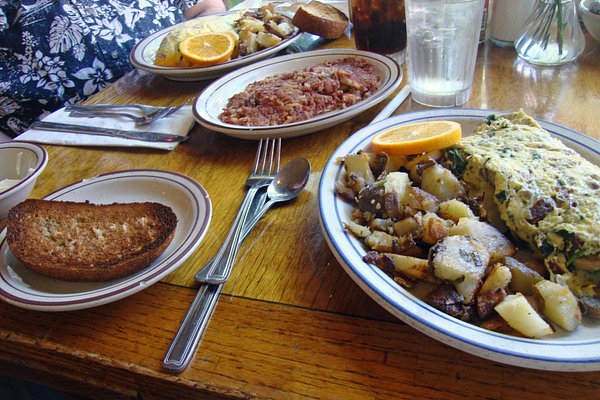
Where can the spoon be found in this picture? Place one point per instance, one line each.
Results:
(286, 185)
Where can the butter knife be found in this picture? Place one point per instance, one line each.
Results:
(145, 136)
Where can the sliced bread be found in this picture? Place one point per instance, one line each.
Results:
(321, 19)
(88, 242)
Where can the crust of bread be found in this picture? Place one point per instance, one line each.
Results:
(321, 19)
(88, 242)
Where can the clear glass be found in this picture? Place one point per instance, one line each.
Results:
(443, 37)
(551, 35)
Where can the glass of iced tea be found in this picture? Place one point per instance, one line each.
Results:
(379, 26)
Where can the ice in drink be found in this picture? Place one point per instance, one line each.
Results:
(379, 26)
(443, 36)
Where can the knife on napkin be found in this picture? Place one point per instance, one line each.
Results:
(94, 130)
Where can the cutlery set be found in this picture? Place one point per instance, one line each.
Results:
(283, 185)
(142, 115)
(146, 115)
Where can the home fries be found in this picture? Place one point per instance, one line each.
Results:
(457, 220)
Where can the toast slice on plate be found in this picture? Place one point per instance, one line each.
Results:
(321, 19)
(88, 242)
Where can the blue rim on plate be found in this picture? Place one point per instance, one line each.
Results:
(142, 57)
(576, 351)
(210, 103)
(188, 199)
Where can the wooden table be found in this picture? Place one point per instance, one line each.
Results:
(290, 323)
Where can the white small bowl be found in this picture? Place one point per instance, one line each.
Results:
(590, 20)
(23, 162)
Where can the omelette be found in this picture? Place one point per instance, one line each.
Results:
(544, 193)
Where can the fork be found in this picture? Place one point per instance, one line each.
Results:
(144, 109)
(139, 120)
(149, 113)
(266, 165)
(188, 336)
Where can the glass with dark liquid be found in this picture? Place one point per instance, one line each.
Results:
(379, 26)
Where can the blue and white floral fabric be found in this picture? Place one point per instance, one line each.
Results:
(59, 52)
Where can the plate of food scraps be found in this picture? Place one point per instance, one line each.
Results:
(25, 288)
(301, 106)
(144, 54)
(578, 350)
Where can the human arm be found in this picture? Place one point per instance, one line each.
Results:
(204, 7)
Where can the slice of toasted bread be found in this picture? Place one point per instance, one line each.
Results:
(88, 242)
(321, 19)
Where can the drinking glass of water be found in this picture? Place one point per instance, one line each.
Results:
(443, 37)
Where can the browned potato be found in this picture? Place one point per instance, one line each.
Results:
(522, 277)
(491, 238)
(461, 261)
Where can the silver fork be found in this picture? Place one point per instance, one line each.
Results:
(144, 109)
(139, 120)
(149, 113)
(192, 327)
(266, 165)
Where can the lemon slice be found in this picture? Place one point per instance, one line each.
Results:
(417, 138)
(207, 48)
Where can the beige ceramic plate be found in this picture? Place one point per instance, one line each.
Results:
(210, 103)
(189, 200)
(563, 351)
(142, 57)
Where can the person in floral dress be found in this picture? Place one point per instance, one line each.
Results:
(59, 52)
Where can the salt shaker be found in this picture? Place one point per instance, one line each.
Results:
(507, 19)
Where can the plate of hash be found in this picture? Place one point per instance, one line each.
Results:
(254, 35)
(490, 245)
(86, 235)
(297, 94)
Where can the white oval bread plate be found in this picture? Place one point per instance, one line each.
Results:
(143, 54)
(562, 351)
(211, 102)
(25, 288)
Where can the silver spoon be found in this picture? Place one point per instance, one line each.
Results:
(287, 184)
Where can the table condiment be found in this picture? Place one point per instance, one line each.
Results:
(507, 19)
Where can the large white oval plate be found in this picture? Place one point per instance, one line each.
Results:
(576, 351)
(143, 54)
(210, 103)
(189, 200)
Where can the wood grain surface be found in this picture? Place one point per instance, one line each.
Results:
(290, 323)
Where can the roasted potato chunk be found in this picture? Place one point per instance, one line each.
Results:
(522, 277)
(491, 238)
(558, 304)
(462, 261)
(522, 317)
(441, 183)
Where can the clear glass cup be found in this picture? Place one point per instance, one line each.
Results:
(443, 37)
(379, 26)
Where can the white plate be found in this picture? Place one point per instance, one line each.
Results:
(188, 199)
(143, 54)
(576, 351)
(210, 103)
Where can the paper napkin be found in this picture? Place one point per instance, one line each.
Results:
(178, 123)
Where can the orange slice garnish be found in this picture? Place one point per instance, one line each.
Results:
(207, 48)
(417, 137)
